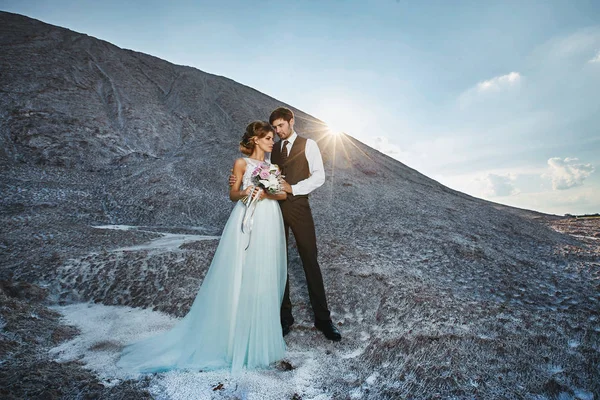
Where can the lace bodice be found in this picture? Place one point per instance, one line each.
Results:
(250, 165)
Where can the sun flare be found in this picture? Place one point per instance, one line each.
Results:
(334, 129)
(338, 119)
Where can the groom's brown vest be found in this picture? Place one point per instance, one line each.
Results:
(296, 167)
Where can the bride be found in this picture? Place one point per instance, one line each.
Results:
(234, 320)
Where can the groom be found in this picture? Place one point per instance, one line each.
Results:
(301, 164)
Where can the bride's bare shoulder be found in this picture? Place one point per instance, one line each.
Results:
(239, 164)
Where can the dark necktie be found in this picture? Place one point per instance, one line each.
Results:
(284, 153)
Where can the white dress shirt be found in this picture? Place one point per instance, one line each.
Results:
(315, 166)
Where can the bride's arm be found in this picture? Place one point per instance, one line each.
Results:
(235, 194)
(276, 196)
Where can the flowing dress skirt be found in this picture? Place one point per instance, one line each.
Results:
(234, 321)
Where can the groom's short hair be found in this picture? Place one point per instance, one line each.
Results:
(281, 112)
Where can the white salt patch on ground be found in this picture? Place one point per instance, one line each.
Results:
(555, 369)
(356, 393)
(167, 242)
(586, 237)
(106, 329)
(372, 378)
(583, 394)
(354, 354)
(115, 227)
(251, 385)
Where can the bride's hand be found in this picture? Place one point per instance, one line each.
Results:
(259, 194)
(248, 191)
(254, 191)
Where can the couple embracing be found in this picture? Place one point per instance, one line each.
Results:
(243, 308)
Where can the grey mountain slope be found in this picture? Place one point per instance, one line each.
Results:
(93, 134)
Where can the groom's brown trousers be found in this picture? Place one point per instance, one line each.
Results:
(297, 216)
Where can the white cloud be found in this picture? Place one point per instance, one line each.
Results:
(500, 185)
(499, 82)
(489, 90)
(567, 173)
(579, 200)
(575, 45)
(562, 53)
(532, 193)
(596, 59)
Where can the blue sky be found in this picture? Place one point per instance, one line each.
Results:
(498, 99)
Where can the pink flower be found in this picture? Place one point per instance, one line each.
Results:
(264, 174)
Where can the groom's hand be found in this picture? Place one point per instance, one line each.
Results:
(286, 187)
(232, 178)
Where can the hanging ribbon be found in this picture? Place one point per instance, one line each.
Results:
(248, 219)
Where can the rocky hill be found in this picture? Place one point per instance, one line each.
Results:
(438, 294)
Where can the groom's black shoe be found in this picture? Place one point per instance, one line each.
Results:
(286, 327)
(329, 330)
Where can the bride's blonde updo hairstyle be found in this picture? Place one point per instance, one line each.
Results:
(254, 130)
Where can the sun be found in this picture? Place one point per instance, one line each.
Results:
(337, 117)
(334, 129)
(337, 121)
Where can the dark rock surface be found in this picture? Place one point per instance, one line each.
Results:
(448, 296)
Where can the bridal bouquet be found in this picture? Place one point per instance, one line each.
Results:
(267, 176)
